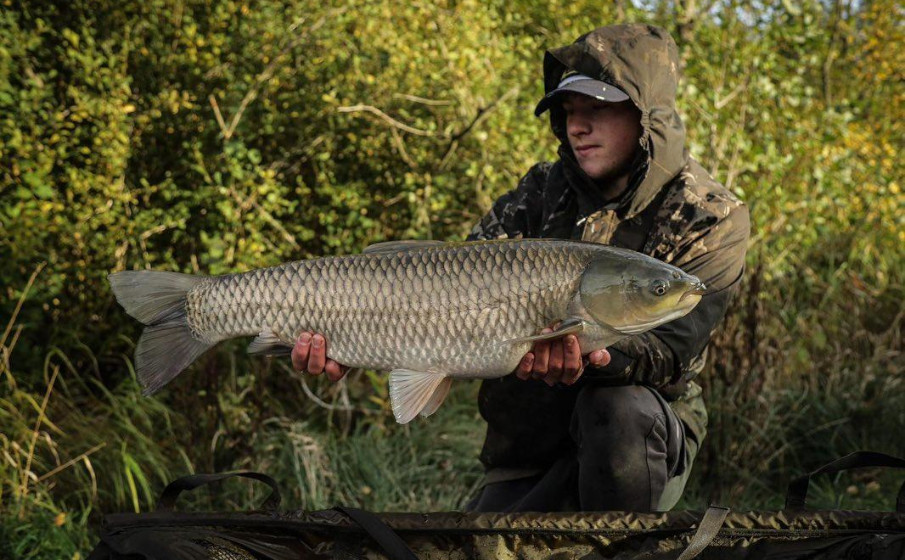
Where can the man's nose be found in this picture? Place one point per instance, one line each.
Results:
(577, 124)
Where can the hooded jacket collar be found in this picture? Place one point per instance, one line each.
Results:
(642, 61)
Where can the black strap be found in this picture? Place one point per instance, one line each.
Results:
(167, 500)
(798, 488)
(391, 543)
(708, 528)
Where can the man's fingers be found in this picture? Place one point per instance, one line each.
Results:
(523, 371)
(317, 359)
(555, 365)
(334, 371)
(300, 352)
(309, 354)
(572, 362)
(541, 358)
(599, 358)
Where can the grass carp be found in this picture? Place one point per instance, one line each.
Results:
(426, 311)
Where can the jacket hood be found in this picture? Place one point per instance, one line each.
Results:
(642, 61)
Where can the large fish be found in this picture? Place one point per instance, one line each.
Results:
(426, 311)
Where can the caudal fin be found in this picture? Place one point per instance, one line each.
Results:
(157, 299)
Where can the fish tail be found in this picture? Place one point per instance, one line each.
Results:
(158, 299)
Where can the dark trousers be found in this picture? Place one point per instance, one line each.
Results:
(628, 445)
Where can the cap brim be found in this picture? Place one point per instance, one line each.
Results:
(592, 88)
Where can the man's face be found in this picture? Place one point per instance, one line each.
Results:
(604, 136)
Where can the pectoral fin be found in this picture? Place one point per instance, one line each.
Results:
(569, 326)
(269, 344)
(412, 392)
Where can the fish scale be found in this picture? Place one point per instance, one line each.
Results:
(427, 311)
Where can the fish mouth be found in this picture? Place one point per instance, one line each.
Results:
(697, 289)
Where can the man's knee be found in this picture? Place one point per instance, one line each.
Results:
(604, 411)
(625, 451)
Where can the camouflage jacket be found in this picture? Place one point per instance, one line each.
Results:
(673, 210)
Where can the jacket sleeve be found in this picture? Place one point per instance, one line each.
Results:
(518, 213)
(674, 352)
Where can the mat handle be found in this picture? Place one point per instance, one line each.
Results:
(708, 528)
(168, 497)
(797, 494)
(389, 541)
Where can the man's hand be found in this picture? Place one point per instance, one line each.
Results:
(558, 361)
(310, 355)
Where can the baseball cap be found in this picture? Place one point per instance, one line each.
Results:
(579, 83)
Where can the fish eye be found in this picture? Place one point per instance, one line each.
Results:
(659, 287)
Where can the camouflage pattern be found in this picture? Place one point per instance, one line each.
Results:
(673, 210)
(216, 548)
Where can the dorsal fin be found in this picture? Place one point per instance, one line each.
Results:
(403, 245)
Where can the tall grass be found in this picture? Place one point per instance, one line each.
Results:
(70, 450)
(377, 465)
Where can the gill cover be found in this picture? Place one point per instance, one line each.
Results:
(606, 290)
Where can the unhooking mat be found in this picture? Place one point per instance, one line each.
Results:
(344, 533)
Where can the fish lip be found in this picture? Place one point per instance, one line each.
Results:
(697, 289)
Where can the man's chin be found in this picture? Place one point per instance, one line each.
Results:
(595, 172)
(603, 173)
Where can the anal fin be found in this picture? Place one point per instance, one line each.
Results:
(413, 391)
(269, 344)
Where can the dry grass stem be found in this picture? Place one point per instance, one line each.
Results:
(37, 430)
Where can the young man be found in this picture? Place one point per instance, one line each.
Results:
(618, 430)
